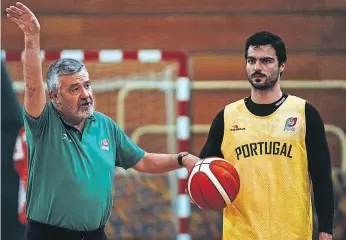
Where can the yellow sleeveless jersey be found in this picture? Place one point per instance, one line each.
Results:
(274, 202)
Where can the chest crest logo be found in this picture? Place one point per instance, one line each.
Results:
(290, 124)
(105, 144)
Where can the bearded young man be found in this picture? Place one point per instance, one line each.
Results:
(276, 142)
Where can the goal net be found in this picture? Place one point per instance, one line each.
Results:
(138, 91)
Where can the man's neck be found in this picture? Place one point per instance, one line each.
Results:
(80, 125)
(266, 97)
(74, 122)
(77, 123)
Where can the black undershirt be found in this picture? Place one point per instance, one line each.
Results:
(317, 152)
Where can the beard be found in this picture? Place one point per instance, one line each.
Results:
(269, 81)
(85, 113)
(76, 113)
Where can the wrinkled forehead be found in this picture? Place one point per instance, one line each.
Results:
(76, 78)
(262, 51)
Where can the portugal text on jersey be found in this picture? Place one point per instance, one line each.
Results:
(264, 148)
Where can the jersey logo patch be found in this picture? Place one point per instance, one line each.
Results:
(235, 127)
(290, 123)
(105, 144)
(65, 137)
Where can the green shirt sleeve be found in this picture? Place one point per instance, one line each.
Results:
(128, 153)
(34, 127)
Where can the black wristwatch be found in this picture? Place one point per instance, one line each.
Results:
(180, 157)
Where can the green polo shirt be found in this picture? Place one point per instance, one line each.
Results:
(71, 173)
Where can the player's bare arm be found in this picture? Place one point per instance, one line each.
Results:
(161, 163)
(34, 96)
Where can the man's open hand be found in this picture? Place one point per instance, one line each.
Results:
(24, 18)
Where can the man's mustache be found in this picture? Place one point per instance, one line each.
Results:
(85, 102)
(258, 74)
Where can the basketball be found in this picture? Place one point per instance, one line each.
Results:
(213, 183)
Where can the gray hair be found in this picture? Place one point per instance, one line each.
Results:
(62, 67)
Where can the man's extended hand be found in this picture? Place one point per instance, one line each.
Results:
(24, 18)
(190, 161)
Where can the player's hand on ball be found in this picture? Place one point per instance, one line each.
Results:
(325, 236)
(24, 18)
(190, 161)
(189, 168)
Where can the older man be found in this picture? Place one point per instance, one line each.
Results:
(72, 149)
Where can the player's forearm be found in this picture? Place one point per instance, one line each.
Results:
(324, 202)
(34, 98)
(161, 163)
(158, 163)
(32, 62)
(319, 164)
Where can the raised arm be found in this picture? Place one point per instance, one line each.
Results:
(34, 95)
